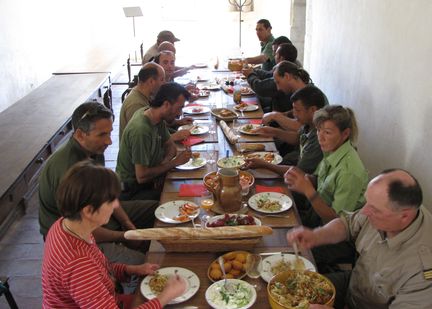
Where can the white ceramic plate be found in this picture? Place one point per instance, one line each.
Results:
(216, 218)
(196, 130)
(204, 93)
(182, 80)
(168, 211)
(272, 260)
(217, 113)
(261, 154)
(193, 164)
(284, 201)
(231, 162)
(210, 86)
(246, 91)
(214, 297)
(200, 65)
(248, 108)
(192, 283)
(194, 110)
(247, 128)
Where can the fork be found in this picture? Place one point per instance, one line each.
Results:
(270, 215)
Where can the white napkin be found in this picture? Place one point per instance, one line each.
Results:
(229, 133)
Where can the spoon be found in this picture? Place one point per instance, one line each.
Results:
(221, 264)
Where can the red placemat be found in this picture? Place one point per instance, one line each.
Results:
(259, 189)
(255, 121)
(192, 141)
(191, 189)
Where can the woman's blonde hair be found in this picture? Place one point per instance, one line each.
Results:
(343, 118)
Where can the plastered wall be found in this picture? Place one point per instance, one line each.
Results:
(375, 56)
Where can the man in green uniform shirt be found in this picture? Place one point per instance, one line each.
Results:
(392, 234)
(147, 151)
(92, 124)
(266, 58)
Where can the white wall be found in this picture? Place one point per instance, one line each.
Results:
(375, 56)
(40, 37)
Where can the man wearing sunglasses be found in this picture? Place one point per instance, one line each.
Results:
(92, 124)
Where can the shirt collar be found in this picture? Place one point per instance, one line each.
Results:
(333, 158)
(271, 38)
(407, 233)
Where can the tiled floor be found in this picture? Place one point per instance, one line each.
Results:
(21, 249)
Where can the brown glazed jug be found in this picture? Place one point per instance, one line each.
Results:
(229, 194)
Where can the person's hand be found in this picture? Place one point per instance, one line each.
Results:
(247, 71)
(254, 163)
(175, 287)
(184, 121)
(142, 269)
(298, 181)
(128, 225)
(303, 236)
(272, 116)
(180, 135)
(183, 157)
(266, 131)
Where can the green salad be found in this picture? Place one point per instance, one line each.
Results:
(236, 295)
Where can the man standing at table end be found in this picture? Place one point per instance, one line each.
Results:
(266, 58)
(147, 151)
(392, 234)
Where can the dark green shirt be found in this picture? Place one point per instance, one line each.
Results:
(266, 49)
(142, 143)
(310, 150)
(52, 173)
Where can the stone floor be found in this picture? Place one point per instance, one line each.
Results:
(21, 249)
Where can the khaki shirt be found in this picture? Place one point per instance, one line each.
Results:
(390, 273)
(133, 102)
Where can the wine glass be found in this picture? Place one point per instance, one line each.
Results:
(254, 267)
(207, 201)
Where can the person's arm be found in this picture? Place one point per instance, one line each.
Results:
(257, 59)
(102, 234)
(262, 87)
(332, 233)
(282, 120)
(260, 163)
(298, 181)
(122, 217)
(289, 137)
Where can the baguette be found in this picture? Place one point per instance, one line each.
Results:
(224, 232)
(252, 147)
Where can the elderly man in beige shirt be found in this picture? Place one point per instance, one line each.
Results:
(392, 234)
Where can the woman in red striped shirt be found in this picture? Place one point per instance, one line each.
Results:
(75, 273)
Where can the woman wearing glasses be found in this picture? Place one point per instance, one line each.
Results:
(75, 273)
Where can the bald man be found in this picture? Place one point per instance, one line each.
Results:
(392, 234)
(150, 78)
(165, 45)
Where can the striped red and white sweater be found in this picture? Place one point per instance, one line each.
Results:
(76, 274)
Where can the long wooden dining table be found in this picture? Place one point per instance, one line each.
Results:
(216, 142)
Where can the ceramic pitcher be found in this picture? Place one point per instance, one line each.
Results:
(229, 194)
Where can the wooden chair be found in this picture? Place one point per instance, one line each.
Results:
(4, 289)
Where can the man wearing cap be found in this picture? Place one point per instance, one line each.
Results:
(266, 58)
(392, 236)
(162, 36)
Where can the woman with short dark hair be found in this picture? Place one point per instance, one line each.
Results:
(75, 273)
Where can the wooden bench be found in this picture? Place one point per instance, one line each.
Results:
(31, 130)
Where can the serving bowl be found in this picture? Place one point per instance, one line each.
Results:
(300, 276)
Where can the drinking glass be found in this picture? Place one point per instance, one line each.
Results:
(254, 268)
(207, 201)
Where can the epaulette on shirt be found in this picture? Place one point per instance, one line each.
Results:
(425, 255)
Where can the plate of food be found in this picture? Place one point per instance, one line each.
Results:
(194, 163)
(210, 86)
(203, 93)
(237, 294)
(176, 212)
(224, 114)
(194, 110)
(246, 107)
(267, 156)
(195, 129)
(153, 285)
(249, 129)
(283, 291)
(232, 220)
(246, 91)
(234, 265)
(275, 264)
(231, 162)
(270, 202)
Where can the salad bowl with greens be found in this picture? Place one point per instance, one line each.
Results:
(236, 294)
